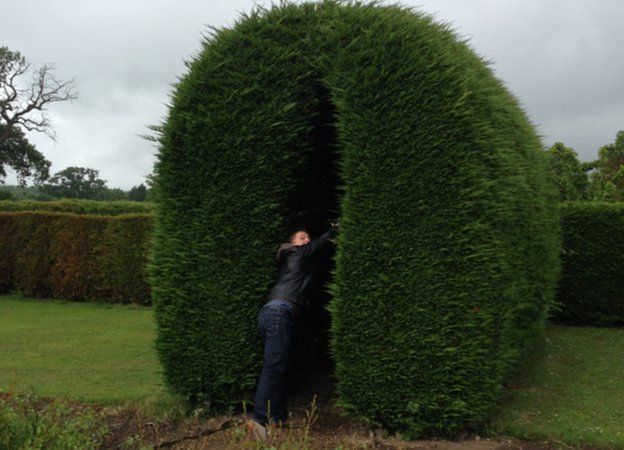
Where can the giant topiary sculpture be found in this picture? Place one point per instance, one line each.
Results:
(379, 117)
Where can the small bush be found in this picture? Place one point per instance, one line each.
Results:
(591, 287)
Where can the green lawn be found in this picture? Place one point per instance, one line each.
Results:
(572, 391)
(84, 351)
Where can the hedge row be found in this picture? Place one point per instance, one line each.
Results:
(76, 257)
(447, 255)
(593, 257)
(100, 208)
(591, 287)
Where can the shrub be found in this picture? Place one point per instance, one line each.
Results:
(447, 255)
(591, 287)
(76, 257)
(112, 208)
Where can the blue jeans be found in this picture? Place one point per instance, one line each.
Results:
(275, 322)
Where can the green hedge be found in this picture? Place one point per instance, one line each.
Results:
(377, 116)
(100, 208)
(591, 287)
(76, 257)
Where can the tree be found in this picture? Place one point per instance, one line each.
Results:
(138, 193)
(21, 192)
(608, 178)
(20, 155)
(107, 194)
(75, 182)
(6, 195)
(568, 173)
(23, 106)
(149, 194)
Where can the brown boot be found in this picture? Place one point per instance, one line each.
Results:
(257, 430)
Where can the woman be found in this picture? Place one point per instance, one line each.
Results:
(275, 322)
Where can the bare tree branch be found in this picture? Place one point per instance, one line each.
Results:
(27, 106)
(23, 106)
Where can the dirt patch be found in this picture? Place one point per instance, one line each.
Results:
(328, 429)
(315, 426)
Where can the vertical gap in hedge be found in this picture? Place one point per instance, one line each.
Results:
(317, 201)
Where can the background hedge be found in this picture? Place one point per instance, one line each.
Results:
(591, 287)
(112, 208)
(76, 257)
(447, 255)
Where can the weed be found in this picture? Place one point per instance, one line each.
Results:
(56, 425)
(281, 436)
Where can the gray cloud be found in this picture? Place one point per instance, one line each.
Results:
(562, 59)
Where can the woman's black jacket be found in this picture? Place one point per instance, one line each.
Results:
(296, 269)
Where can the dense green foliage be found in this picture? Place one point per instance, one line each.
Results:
(447, 255)
(15, 192)
(598, 180)
(568, 173)
(41, 193)
(138, 193)
(608, 178)
(79, 207)
(111, 194)
(21, 156)
(76, 257)
(591, 287)
(75, 182)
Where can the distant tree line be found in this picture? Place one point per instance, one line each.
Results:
(602, 179)
(75, 182)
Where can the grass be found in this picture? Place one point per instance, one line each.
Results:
(23, 425)
(572, 391)
(79, 351)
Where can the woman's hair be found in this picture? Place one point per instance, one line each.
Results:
(292, 235)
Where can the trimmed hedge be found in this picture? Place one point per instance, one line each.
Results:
(448, 251)
(591, 287)
(76, 257)
(99, 208)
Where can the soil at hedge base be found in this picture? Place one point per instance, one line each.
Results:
(330, 430)
(128, 428)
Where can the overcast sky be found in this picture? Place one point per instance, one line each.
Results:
(564, 60)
